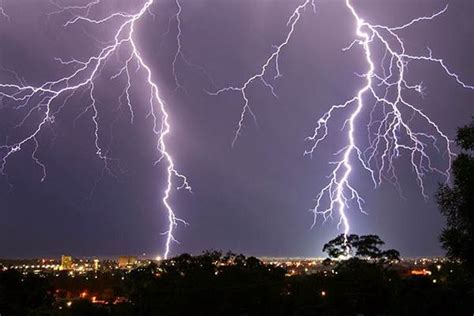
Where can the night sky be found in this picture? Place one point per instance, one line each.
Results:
(252, 198)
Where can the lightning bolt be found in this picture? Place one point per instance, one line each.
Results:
(384, 97)
(179, 53)
(3, 14)
(273, 59)
(393, 133)
(48, 99)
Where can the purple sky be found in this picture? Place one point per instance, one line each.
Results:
(253, 198)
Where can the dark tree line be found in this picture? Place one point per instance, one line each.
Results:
(228, 284)
(456, 202)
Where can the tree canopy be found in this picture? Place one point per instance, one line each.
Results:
(456, 202)
(362, 247)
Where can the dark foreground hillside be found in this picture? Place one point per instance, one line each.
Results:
(216, 284)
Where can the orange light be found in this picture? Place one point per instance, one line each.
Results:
(421, 272)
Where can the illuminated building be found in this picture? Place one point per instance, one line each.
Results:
(66, 262)
(127, 261)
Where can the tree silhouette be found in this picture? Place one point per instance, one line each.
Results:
(389, 256)
(215, 283)
(456, 203)
(22, 294)
(361, 247)
(368, 246)
(341, 246)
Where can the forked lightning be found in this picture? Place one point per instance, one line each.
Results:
(384, 99)
(49, 98)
